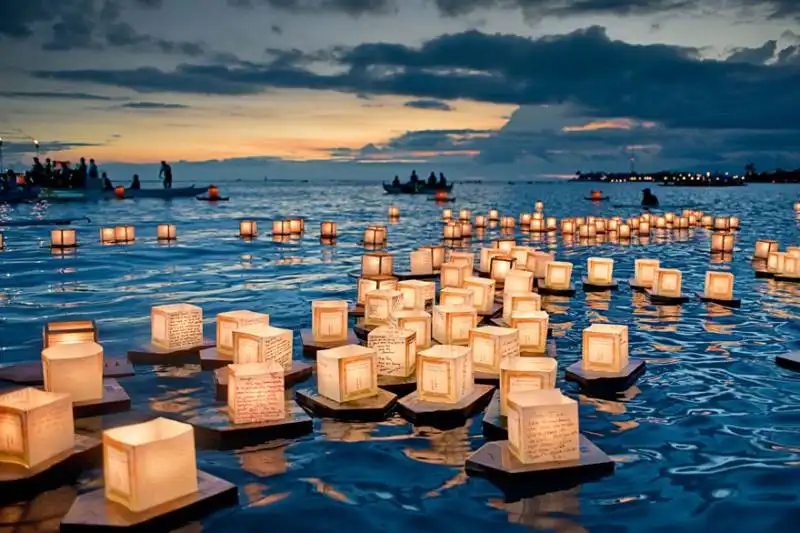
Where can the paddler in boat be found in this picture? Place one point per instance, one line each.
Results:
(442, 180)
(107, 185)
(135, 185)
(396, 181)
(432, 179)
(166, 174)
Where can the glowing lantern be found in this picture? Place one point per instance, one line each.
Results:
(524, 374)
(537, 263)
(466, 229)
(166, 232)
(453, 275)
(421, 262)
(537, 225)
(256, 393)
(347, 373)
(445, 374)
(791, 266)
(600, 270)
(775, 262)
(176, 326)
(763, 248)
(507, 222)
(381, 307)
(667, 282)
(586, 231)
(56, 333)
(792, 251)
(248, 228)
(377, 264)
(707, 221)
(416, 293)
(419, 322)
(525, 219)
(107, 236)
(452, 296)
(605, 348)
(447, 215)
(395, 349)
(2, 241)
(451, 231)
(520, 254)
(74, 369)
(366, 285)
(682, 223)
(375, 235)
(490, 344)
(482, 292)
(600, 225)
(230, 321)
(722, 223)
(124, 234)
(35, 426)
(644, 228)
(520, 301)
(394, 212)
(733, 223)
(480, 221)
(612, 226)
(661, 223)
(532, 326)
(505, 245)
(551, 224)
(149, 464)
(327, 230)
(462, 258)
(722, 241)
(543, 427)
(645, 271)
(451, 325)
(486, 258)
(567, 226)
(624, 231)
(719, 286)
(329, 320)
(500, 266)
(537, 216)
(213, 192)
(494, 215)
(557, 275)
(281, 227)
(437, 254)
(63, 238)
(518, 281)
(539, 206)
(260, 343)
(298, 225)
(464, 214)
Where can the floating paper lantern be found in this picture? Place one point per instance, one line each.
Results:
(500, 266)
(486, 258)
(539, 206)
(645, 271)
(445, 374)
(612, 225)
(421, 262)
(149, 464)
(507, 222)
(722, 241)
(124, 234)
(480, 221)
(377, 264)
(525, 219)
(722, 223)
(437, 254)
(462, 258)
(537, 216)
(682, 223)
(504, 245)
(419, 322)
(483, 290)
(381, 307)
(2, 242)
(763, 248)
(520, 254)
(587, 231)
(775, 262)
(557, 275)
(248, 228)
(520, 301)
(69, 332)
(256, 393)
(797, 207)
(74, 369)
(600, 225)
(107, 236)
(453, 275)
(395, 349)
(494, 215)
(259, 343)
(297, 225)
(466, 230)
(567, 226)
(63, 238)
(282, 227)
(792, 251)
(551, 224)
(667, 282)
(347, 373)
(543, 427)
(375, 235)
(537, 226)
(35, 427)
(229, 321)
(524, 374)
(791, 266)
(366, 285)
(532, 326)
(624, 231)
(447, 215)
(176, 326)
(394, 212)
(733, 223)
(537, 263)
(719, 285)
(644, 228)
(600, 270)
(452, 296)
(451, 325)
(464, 214)
(605, 348)
(518, 281)
(661, 223)
(166, 232)
(451, 231)
(415, 293)
(490, 344)
(328, 230)
(707, 221)
(329, 320)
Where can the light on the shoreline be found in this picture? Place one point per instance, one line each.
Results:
(605, 348)
(256, 393)
(75, 369)
(347, 373)
(166, 232)
(64, 238)
(248, 228)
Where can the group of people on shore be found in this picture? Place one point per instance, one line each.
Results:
(415, 181)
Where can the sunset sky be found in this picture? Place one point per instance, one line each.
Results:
(544, 86)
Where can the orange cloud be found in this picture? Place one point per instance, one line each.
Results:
(616, 123)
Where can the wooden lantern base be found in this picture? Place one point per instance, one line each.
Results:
(635, 285)
(604, 383)
(547, 291)
(789, 279)
(789, 361)
(31, 373)
(311, 347)
(299, 373)
(372, 409)
(18, 483)
(495, 462)
(444, 415)
(150, 354)
(493, 311)
(356, 310)
(404, 276)
(494, 425)
(91, 512)
(213, 428)
(763, 274)
(398, 385)
(666, 300)
(361, 330)
(735, 302)
(211, 359)
(595, 287)
(114, 400)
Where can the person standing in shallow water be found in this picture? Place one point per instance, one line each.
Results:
(166, 174)
(649, 199)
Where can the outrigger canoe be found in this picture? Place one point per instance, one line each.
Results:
(78, 195)
(407, 188)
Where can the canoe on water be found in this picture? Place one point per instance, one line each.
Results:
(407, 188)
(207, 199)
(82, 195)
(42, 222)
(640, 206)
(602, 199)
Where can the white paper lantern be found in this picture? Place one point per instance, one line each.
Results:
(445, 374)
(605, 348)
(667, 282)
(248, 228)
(328, 229)
(722, 242)
(543, 427)
(490, 344)
(166, 232)
(74, 369)
(69, 332)
(775, 262)
(557, 275)
(451, 325)
(500, 266)
(600, 270)
(256, 393)
(396, 350)
(645, 271)
(525, 374)
(486, 258)
(381, 307)
(176, 326)
(420, 323)
(518, 281)
(451, 296)
(347, 373)
(107, 236)
(421, 262)
(437, 255)
(719, 285)
(229, 321)
(505, 245)
(763, 248)
(483, 290)
(520, 301)
(453, 275)
(366, 285)
(260, 343)
(329, 320)
(377, 264)
(416, 293)
(63, 238)
(462, 258)
(532, 326)
(124, 234)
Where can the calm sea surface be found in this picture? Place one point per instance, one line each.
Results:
(708, 439)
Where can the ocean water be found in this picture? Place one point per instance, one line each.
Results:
(707, 440)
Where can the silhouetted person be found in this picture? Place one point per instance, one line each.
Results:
(80, 174)
(442, 179)
(93, 173)
(166, 174)
(107, 185)
(63, 179)
(649, 199)
(396, 181)
(414, 178)
(135, 183)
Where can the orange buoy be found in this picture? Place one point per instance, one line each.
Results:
(119, 192)
(441, 195)
(213, 192)
(597, 195)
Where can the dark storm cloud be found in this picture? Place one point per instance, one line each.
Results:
(429, 104)
(46, 95)
(18, 147)
(153, 105)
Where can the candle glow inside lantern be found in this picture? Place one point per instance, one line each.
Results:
(347, 373)
(600, 225)
(524, 374)
(543, 427)
(375, 235)
(507, 222)
(567, 226)
(775, 262)
(447, 215)
(719, 285)
(166, 232)
(452, 296)
(520, 301)
(176, 326)
(74, 369)
(537, 263)
(486, 258)
(437, 254)
(480, 221)
(377, 264)
(722, 242)
(35, 426)
(644, 228)
(149, 464)
(395, 349)
(256, 393)
(451, 324)
(504, 245)
(532, 326)
(661, 223)
(444, 374)
(229, 321)
(645, 271)
(525, 219)
(483, 290)
(462, 258)
(414, 293)
(124, 234)
(63, 238)
(107, 236)
(587, 231)
(466, 229)
(613, 225)
(328, 230)
(381, 307)
(248, 228)
(453, 275)
(550, 224)
(624, 231)
(490, 344)
(722, 223)
(2, 241)
(394, 211)
(500, 266)
(518, 281)
(763, 248)
(600, 270)
(329, 320)
(451, 231)
(605, 348)
(520, 253)
(282, 227)
(260, 343)
(464, 214)
(419, 322)
(366, 285)
(421, 262)
(296, 225)
(494, 215)
(667, 282)
(537, 225)
(557, 275)
(69, 332)
(791, 266)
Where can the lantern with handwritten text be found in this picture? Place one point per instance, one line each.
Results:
(366, 285)
(259, 343)
(605, 348)
(395, 349)
(176, 326)
(256, 393)
(444, 374)
(229, 321)
(347, 373)
(543, 427)
(523, 374)
(490, 344)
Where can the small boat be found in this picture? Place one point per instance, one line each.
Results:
(407, 188)
(82, 195)
(16, 196)
(42, 222)
(182, 192)
(601, 199)
(442, 200)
